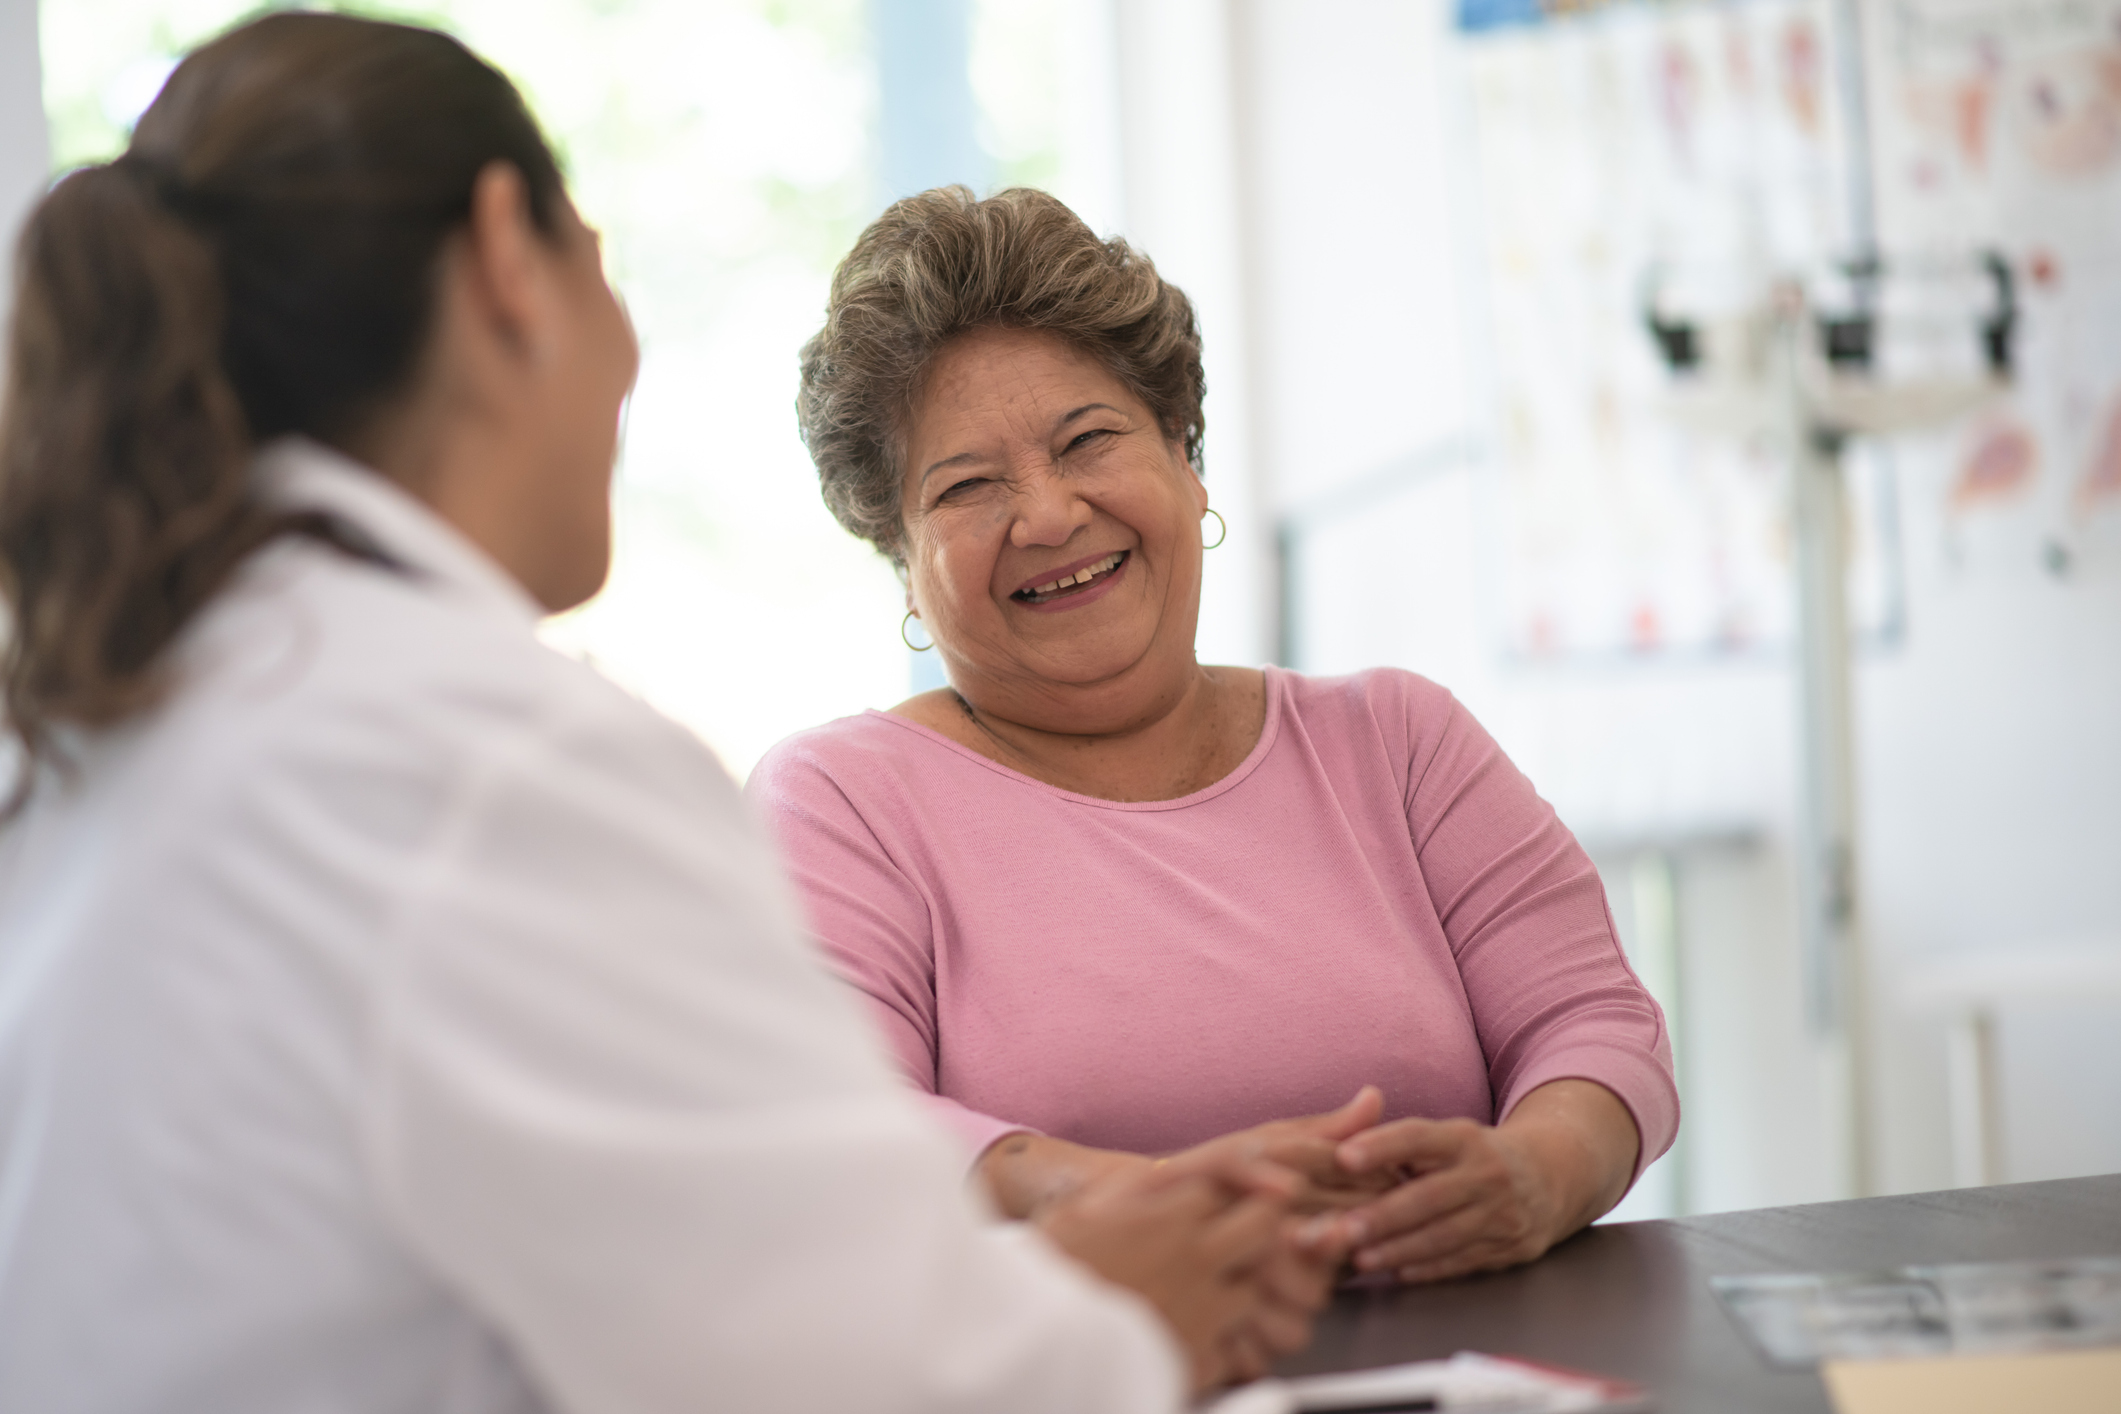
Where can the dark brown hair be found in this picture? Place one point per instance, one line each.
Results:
(260, 261)
(938, 264)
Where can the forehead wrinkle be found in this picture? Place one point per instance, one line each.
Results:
(990, 365)
(1009, 396)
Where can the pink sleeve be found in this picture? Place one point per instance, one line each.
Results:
(870, 917)
(1552, 994)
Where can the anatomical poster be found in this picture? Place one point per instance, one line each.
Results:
(1997, 123)
(1691, 151)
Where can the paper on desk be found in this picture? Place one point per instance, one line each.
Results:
(2051, 1382)
(1969, 1308)
(1466, 1381)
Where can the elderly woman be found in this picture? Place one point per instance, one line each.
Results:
(1109, 903)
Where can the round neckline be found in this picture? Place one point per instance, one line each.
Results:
(1269, 730)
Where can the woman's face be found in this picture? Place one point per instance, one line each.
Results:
(1052, 538)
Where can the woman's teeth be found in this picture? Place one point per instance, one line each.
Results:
(1070, 581)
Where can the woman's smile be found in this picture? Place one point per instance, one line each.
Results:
(1077, 584)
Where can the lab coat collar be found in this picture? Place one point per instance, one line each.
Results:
(297, 472)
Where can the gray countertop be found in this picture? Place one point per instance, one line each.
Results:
(1632, 1299)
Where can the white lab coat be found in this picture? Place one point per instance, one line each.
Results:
(401, 1018)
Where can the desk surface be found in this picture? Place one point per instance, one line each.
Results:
(1633, 1299)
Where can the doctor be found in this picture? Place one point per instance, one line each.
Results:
(393, 1015)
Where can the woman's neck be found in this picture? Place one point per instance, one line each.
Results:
(1202, 732)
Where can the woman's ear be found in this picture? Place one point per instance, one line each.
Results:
(1199, 483)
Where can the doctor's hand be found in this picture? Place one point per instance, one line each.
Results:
(1469, 1197)
(1211, 1244)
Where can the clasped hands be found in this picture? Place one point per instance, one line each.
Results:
(1237, 1241)
(1418, 1199)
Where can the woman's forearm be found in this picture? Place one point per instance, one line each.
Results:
(1584, 1140)
(1024, 1172)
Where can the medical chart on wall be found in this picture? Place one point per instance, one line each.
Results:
(1697, 143)
(1704, 146)
(1998, 123)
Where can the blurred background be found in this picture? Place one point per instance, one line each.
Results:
(1422, 235)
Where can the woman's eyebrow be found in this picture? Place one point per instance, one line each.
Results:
(948, 461)
(1085, 408)
(934, 467)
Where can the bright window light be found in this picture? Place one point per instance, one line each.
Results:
(723, 148)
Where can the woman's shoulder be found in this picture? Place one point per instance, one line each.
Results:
(1380, 719)
(1377, 694)
(859, 756)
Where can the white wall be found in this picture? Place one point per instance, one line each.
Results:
(25, 155)
(1992, 825)
(1356, 319)
(1990, 739)
(1182, 200)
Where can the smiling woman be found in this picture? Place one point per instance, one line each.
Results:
(1110, 903)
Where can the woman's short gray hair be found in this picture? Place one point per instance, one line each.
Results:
(938, 264)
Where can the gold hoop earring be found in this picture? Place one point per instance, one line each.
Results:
(1225, 535)
(907, 638)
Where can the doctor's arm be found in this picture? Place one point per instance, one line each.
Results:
(619, 1109)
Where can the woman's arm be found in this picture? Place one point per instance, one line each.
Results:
(870, 915)
(1522, 906)
(1024, 1173)
(1577, 1055)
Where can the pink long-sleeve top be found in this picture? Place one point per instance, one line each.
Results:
(1375, 895)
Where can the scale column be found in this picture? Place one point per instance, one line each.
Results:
(1829, 917)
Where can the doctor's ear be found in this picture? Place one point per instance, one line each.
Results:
(506, 258)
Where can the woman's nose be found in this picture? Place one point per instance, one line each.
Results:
(1048, 511)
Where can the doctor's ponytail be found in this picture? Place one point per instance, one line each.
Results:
(260, 262)
(122, 503)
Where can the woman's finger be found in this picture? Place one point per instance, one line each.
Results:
(1417, 1203)
(1458, 1264)
(1240, 1163)
(1326, 1185)
(1307, 1154)
(1411, 1143)
(1482, 1224)
(1325, 1238)
(1361, 1112)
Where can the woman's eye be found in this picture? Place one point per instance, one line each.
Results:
(1083, 439)
(966, 485)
